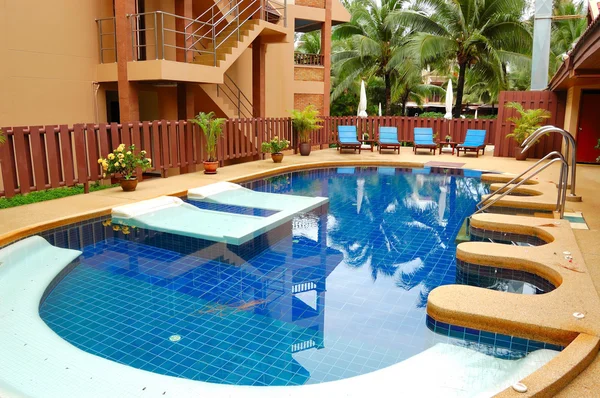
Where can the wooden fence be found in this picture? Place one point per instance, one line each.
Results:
(41, 157)
(530, 100)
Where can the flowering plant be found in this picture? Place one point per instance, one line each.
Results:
(275, 145)
(124, 162)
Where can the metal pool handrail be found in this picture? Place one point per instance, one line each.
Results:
(562, 189)
(570, 142)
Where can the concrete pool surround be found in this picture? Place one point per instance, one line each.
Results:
(548, 317)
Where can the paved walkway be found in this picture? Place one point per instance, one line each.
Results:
(588, 185)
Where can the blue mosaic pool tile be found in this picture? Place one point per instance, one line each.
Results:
(325, 297)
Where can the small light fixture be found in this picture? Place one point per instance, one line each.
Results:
(579, 315)
(175, 338)
(519, 387)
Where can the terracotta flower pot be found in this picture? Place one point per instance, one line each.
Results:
(128, 185)
(277, 157)
(305, 148)
(519, 155)
(210, 167)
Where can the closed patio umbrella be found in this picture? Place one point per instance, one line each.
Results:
(362, 103)
(449, 100)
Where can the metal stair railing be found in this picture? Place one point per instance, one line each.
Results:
(240, 101)
(216, 27)
(521, 179)
(570, 148)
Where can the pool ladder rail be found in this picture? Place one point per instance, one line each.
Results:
(538, 167)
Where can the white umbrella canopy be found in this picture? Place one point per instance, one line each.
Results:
(449, 100)
(362, 103)
(380, 109)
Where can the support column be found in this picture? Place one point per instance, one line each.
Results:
(183, 8)
(540, 57)
(326, 51)
(259, 52)
(128, 91)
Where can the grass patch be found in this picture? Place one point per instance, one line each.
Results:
(42, 196)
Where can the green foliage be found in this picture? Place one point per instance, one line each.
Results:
(565, 33)
(432, 114)
(481, 116)
(305, 121)
(275, 145)
(213, 129)
(41, 196)
(124, 162)
(2, 137)
(529, 121)
(310, 43)
(482, 36)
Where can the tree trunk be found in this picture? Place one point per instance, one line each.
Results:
(388, 94)
(460, 88)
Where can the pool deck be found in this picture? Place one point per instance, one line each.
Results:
(25, 220)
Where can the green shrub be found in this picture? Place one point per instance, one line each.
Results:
(432, 114)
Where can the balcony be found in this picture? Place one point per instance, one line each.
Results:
(309, 59)
(166, 46)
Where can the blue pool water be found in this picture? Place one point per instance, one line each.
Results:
(325, 297)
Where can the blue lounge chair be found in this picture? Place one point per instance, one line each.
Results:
(347, 138)
(388, 139)
(424, 139)
(474, 141)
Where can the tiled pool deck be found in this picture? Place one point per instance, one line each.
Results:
(588, 185)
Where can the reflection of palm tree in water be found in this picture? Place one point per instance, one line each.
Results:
(398, 228)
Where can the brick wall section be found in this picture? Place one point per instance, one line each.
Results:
(303, 100)
(311, 3)
(309, 73)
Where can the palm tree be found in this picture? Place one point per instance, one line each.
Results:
(478, 34)
(310, 43)
(565, 33)
(369, 44)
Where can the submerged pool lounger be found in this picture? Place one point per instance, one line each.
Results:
(173, 215)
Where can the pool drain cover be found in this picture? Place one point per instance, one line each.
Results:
(175, 338)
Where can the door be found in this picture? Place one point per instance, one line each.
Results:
(588, 132)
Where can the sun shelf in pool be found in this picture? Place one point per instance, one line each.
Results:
(170, 214)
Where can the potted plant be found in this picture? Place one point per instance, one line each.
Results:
(124, 162)
(274, 147)
(213, 129)
(448, 138)
(304, 122)
(528, 121)
(2, 137)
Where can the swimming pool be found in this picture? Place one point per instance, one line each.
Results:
(327, 296)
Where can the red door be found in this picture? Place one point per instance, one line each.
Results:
(589, 127)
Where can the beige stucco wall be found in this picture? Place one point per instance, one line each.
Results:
(49, 54)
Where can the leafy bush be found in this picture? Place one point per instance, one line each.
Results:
(124, 162)
(213, 129)
(432, 114)
(529, 121)
(305, 121)
(481, 117)
(275, 145)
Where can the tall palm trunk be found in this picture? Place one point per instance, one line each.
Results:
(388, 93)
(460, 88)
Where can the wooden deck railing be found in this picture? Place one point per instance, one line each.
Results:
(309, 59)
(41, 157)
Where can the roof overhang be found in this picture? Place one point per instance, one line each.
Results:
(583, 63)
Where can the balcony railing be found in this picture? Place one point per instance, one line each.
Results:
(309, 59)
(162, 35)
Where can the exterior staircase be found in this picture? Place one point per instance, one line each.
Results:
(227, 43)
